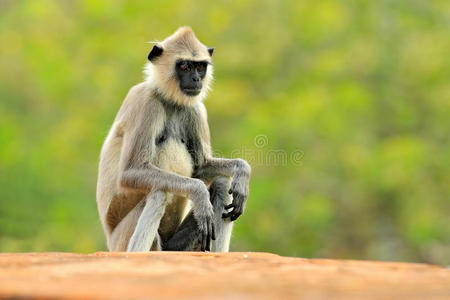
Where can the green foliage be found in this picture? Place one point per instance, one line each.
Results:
(358, 89)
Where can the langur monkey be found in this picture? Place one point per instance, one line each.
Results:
(159, 188)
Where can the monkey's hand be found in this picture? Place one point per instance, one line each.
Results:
(239, 190)
(204, 214)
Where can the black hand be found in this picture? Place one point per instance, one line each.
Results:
(207, 234)
(237, 206)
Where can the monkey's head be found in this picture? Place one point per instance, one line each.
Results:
(180, 67)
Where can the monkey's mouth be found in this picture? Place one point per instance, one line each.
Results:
(191, 92)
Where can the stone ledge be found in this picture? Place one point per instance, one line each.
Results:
(193, 275)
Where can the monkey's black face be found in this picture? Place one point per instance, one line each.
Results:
(190, 75)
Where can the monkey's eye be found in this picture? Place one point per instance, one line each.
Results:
(201, 67)
(184, 66)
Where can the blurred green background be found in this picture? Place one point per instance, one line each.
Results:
(351, 100)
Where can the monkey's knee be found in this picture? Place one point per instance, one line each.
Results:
(219, 196)
(220, 182)
(218, 191)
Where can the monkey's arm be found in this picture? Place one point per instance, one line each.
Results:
(240, 170)
(214, 167)
(151, 177)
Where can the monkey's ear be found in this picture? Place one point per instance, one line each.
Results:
(156, 51)
(211, 51)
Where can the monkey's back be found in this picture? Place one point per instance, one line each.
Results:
(113, 201)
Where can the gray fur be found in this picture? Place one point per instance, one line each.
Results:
(157, 155)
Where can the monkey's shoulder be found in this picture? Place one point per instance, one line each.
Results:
(140, 106)
(136, 96)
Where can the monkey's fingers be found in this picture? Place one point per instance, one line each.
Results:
(236, 212)
(202, 236)
(227, 215)
(203, 231)
(231, 213)
(213, 232)
(208, 239)
(229, 206)
(235, 216)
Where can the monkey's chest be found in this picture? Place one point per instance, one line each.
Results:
(173, 156)
(176, 146)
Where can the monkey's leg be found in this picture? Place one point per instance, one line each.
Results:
(219, 194)
(148, 223)
(187, 237)
(120, 236)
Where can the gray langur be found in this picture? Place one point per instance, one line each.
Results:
(157, 157)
